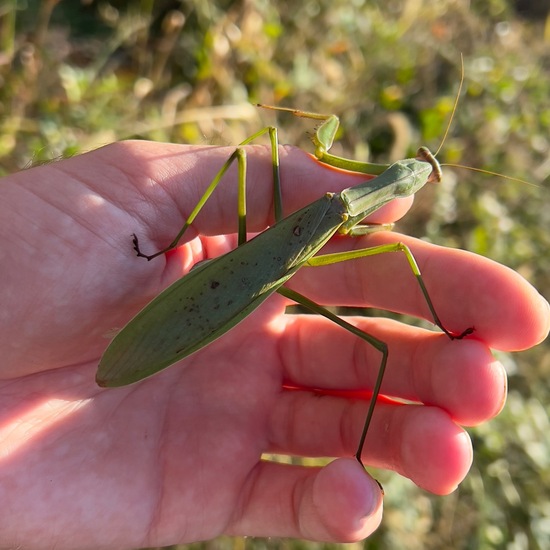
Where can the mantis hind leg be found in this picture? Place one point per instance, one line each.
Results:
(375, 342)
(238, 155)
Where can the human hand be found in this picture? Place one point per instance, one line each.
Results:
(176, 458)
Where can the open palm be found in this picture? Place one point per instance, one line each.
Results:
(177, 458)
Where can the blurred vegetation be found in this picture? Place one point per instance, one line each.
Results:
(77, 75)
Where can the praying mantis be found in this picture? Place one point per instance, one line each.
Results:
(219, 293)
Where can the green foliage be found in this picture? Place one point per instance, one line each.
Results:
(76, 76)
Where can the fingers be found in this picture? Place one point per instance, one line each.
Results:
(461, 377)
(458, 381)
(466, 290)
(419, 442)
(339, 503)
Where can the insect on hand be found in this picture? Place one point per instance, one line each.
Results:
(216, 295)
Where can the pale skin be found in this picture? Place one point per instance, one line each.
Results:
(177, 458)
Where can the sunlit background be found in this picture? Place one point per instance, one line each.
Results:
(77, 75)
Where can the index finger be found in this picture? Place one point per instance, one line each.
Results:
(171, 179)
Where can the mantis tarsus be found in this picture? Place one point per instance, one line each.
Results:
(218, 294)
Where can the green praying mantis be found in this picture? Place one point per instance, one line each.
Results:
(219, 293)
